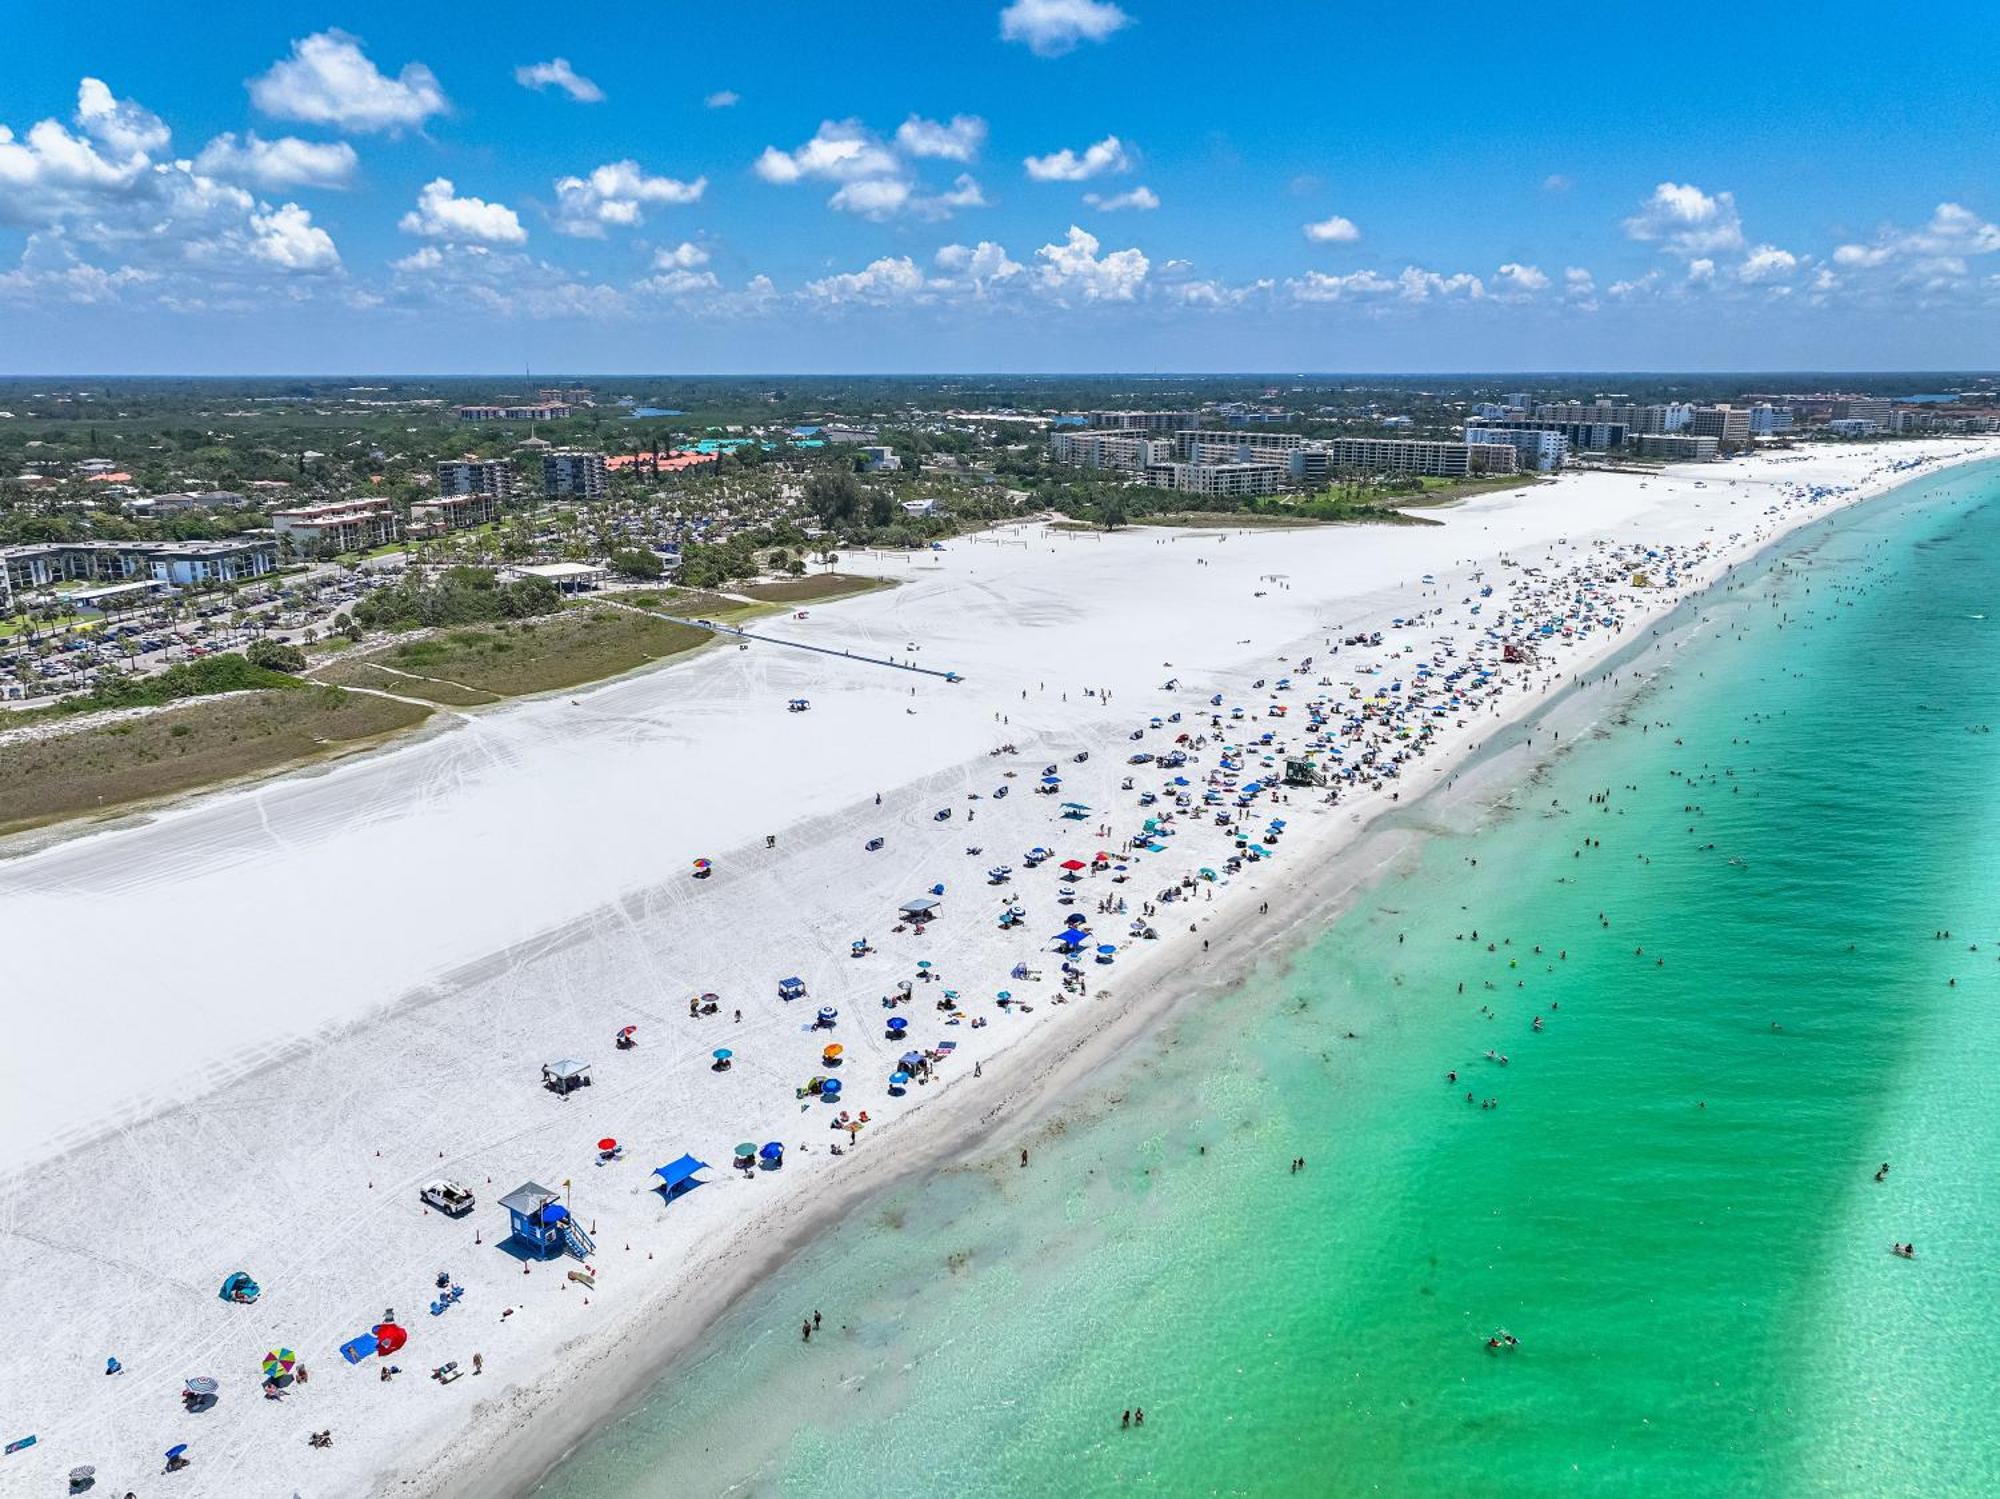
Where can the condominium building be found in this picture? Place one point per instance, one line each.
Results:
(1728, 425)
(26, 569)
(1767, 420)
(1585, 436)
(1541, 449)
(541, 411)
(341, 526)
(1235, 447)
(452, 512)
(1109, 449)
(573, 473)
(1143, 421)
(1218, 480)
(1678, 447)
(1863, 409)
(494, 476)
(1409, 455)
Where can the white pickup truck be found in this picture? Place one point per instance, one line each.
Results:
(448, 1197)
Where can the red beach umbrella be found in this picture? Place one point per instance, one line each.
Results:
(389, 1337)
(607, 1144)
(1072, 864)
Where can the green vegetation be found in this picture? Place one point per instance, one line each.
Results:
(822, 588)
(457, 596)
(467, 668)
(204, 678)
(274, 656)
(114, 767)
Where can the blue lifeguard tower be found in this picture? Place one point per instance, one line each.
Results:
(543, 1225)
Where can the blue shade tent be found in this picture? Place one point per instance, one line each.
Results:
(679, 1177)
(1072, 937)
(240, 1287)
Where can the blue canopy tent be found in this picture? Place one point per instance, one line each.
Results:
(791, 988)
(679, 1178)
(240, 1288)
(1072, 938)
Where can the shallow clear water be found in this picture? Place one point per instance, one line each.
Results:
(1746, 1011)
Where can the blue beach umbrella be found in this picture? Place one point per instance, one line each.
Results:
(772, 1151)
(898, 1024)
(830, 1088)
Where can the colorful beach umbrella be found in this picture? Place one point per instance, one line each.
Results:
(279, 1361)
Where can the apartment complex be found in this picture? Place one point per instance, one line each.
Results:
(1218, 480)
(1728, 425)
(1540, 449)
(340, 526)
(1411, 455)
(451, 512)
(1142, 421)
(490, 476)
(573, 473)
(1587, 436)
(180, 564)
(541, 411)
(1110, 449)
(1236, 447)
(1677, 447)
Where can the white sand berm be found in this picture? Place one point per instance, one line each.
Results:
(243, 1032)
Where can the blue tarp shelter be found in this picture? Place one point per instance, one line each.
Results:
(1071, 938)
(679, 1177)
(358, 1349)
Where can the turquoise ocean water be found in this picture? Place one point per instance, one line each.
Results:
(1746, 1011)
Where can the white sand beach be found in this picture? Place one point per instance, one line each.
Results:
(244, 1031)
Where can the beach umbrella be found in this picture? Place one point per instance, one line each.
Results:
(607, 1144)
(1005, 994)
(746, 1148)
(833, 1050)
(898, 1024)
(203, 1385)
(389, 1337)
(1075, 918)
(1072, 864)
(721, 1054)
(828, 1012)
(772, 1151)
(81, 1473)
(703, 864)
(830, 1088)
(176, 1450)
(279, 1361)
(899, 1079)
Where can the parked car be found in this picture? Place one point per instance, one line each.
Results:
(448, 1197)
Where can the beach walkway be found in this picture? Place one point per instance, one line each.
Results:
(717, 628)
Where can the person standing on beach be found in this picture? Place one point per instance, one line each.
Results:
(806, 1331)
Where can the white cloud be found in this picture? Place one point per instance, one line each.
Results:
(1318, 286)
(1052, 27)
(684, 256)
(1767, 263)
(616, 195)
(286, 237)
(423, 258)
(51, 271)
(978, 266)
(1141, 197)
(959, 139)
(679, 283)
(126, 128)
(1075, 266)
(441, 214)
(1578, 282)
(872, 197)
(1954, 232)
(1700, 271)
(558, 73)
(328, 80)
(1414, 284)
(1555, 182)
(723, 98)
(1519, 280)
(892, 278)
(279, 165)
(1333, 231)
(874, 175)
(1688, 221)
(839, 151)
(1107, 155)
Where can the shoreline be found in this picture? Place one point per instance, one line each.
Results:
(555, 1383)
(1055, 1065)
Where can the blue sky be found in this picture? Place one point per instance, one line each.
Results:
(996, 184)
